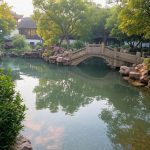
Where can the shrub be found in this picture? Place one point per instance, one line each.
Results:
(39, 45)
(11, 112)
(47, 53)
(78, 45)
(147, 62)
(19, 43)
(64, 46)
(125, 46)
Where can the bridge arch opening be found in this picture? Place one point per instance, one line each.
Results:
(95, 66)
(94, 61)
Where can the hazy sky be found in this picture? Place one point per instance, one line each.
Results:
(25, 7)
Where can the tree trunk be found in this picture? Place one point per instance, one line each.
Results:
(61, 39)
(68, 42)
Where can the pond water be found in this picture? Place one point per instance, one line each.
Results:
(88, 107)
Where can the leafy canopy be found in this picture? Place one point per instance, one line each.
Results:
(135, 18)
(7, 22)
(58, 20)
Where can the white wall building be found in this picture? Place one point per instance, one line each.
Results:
(27, 27)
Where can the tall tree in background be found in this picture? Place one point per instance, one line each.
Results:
(61, 19)
(7, 22)
(129, 21)
(135, 18)
(99, 18)
(112, 23)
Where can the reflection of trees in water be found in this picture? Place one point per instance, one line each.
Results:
(71, 91)
(128, 122)
(69, 94)
(71, 88)
(127, 115)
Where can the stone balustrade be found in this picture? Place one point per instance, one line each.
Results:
(112, 56)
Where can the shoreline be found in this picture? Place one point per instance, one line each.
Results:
(137, 75)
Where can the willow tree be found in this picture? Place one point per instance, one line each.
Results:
(60, 19)
(7, 22)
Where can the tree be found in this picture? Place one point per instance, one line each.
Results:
(7, 22)
(112, 23)
(59, 20)
(98, 18)
(135, 18)
(117, 23)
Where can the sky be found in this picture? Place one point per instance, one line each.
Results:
(25, 7)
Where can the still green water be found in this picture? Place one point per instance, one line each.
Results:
(81, 108)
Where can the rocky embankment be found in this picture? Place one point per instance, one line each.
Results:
(59, 58)
(32, 54)
(22, 144)
(137, 75)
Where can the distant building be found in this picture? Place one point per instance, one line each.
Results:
(27, 27)
(17, 18)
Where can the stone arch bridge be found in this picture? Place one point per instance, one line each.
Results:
(111, 56)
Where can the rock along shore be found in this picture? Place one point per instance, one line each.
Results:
(137, 75)
(22, 144)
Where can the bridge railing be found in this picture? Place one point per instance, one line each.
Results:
(109, 53)
(93, 45)
(97, 49)
(126, 57)
(78, 53)
(79, 50)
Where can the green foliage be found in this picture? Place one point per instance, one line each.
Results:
(147, 63)
(47, 53)
(125, 46)
(84, 20)
(65, 46)
(78, 44)
(97, 19)
(58, 20)
(135, 18)
(39, 46)
(19, 43)
(112, 22)
(7, 22)
(11, 112)
(126, 24)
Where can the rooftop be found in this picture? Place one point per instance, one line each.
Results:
(16, 16)
(27, 23)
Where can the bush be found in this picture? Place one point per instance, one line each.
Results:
(125, 46)
(11, 112)
(65, 46)
(78, 45)
(47, 53)
(147, 63)
(19, 43)
(39, 46)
